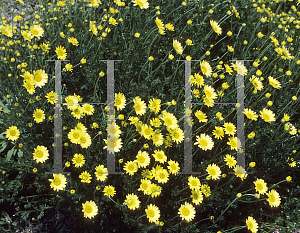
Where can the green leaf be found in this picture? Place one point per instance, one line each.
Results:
(20, 154)
(4, 144)
(10, 153)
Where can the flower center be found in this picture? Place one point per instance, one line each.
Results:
(151, 213)
(57, 182)
(38, 77)
(13, 133)
(203, 142)
(141, 159)
(118, 101)
(185, 211)
(88, 209)
(39, 154)
(272, 198)
(35, 32)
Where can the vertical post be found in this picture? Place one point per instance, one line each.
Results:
(58, 122)
(110, 115)
(188, 144)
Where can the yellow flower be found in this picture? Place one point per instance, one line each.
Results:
(153, 213)
(204, 142)
(132, 201)
(252, 164)
(85, 177)
(101, 173)
(251, 224)
(260, 35)
(61, 53)
(197, 196)
(216, 27)
(177, 46)
(267, 115)
(214, 171)
(230, 161)
(41, 154)
(171, 56)
(260, 186)
(137, 35)
(194, 183)
(139, 106)
(206, 68)
(78, 160)
(187, 212)
(273, 198)
(36, 31)
(12, 133)
(288, 178)
(130, 167)
(143, 4)
(90, 209)
(109, 191)
(59, 182)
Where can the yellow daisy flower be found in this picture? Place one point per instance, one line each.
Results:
(273, 198)
(204, 142)
(187, 212)
(120, 101)
(251, 224)
(109, 191)
(85, 177)
(216, 27)
(130, 167)
(90, 209)
(59, 182)
(153, 213)
(101, 173)
(12, 133)
(38, 115)
(213, 171)
(41, 154)
(78, 160)
(132, 201)
(260, 186)
(205, 68)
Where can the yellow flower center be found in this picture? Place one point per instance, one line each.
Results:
(138, 107)
(213, 172)
(35, 32)
(38, 78)
(272, 198)
(266, 117)
(88, 209)
(259, 186)
(141, 159)
(57, 182)
(168, 121)
(83, 140)
(151, 213)
(13, 132)
(38, 115)
(203, 142)
(78, 160)
(185, 211)
(39, 154)
(162, 175)
(130, 167)
(76, 135)
(118, 101)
